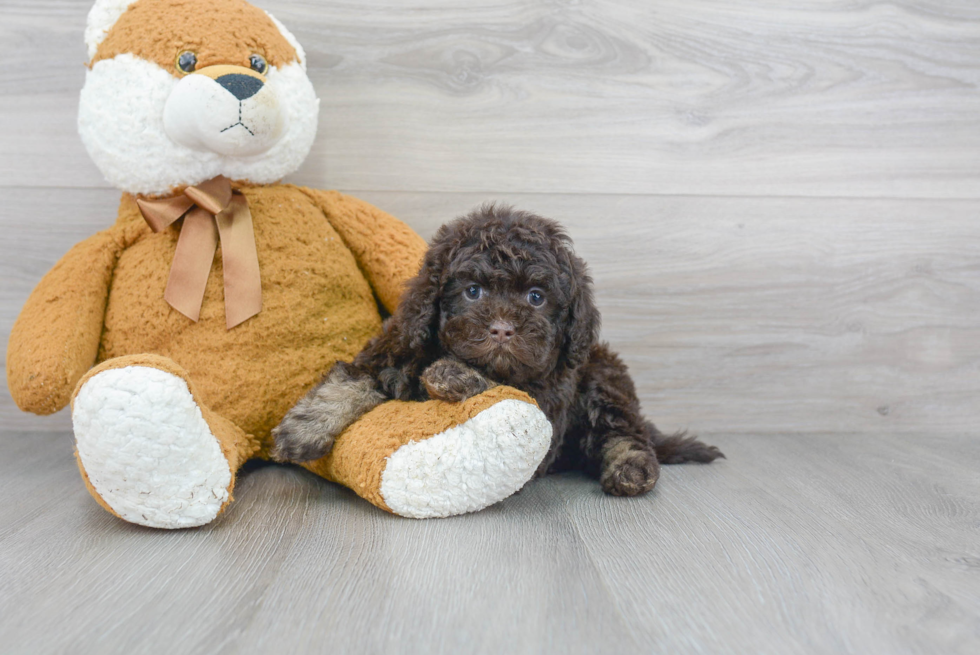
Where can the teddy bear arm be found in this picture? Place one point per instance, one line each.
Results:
(387, 250)
(55, 340)
(431, 459)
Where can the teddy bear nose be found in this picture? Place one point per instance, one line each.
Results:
(240, 86)
(501, 331)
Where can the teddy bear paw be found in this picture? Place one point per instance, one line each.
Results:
(470, 466)
(147, 450)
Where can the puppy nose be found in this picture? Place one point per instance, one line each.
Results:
(240, 86)
(501, 331)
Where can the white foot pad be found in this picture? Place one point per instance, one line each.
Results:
(470, 466)
(147, 449)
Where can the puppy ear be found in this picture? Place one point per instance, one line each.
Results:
(582, 328)
(411, 333)
(417, 317)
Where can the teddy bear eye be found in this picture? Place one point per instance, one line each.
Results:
(473, 292)
(258, 64)
(535, 297)
(187, 61)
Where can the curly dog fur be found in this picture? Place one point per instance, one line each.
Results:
(501, 298)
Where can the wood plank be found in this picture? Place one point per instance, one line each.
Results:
(817, 534)
(749, 315)
(712, 98)
(515, 578)
(829, 345)
(41, 225)
(308, 559)
(782, 315)
(795, 544)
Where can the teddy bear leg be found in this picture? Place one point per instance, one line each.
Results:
(148, 450)
(436, 459)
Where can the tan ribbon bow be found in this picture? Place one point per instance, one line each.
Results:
(211, 210)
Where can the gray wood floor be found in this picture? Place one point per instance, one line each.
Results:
(780, 203)
(826, 543)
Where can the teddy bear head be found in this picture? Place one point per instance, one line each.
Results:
(180, 91)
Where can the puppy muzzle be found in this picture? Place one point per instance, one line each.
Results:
(229, 110)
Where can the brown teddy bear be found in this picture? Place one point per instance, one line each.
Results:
(182, 334)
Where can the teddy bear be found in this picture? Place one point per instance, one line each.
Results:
(182, 334)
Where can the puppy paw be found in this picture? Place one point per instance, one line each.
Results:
(301, 437)
(628, 470)
(308, 430)
(453, 381)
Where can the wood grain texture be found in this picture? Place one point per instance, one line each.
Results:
(755, 315)
(808, 544)
(779, 205)
(715, 97)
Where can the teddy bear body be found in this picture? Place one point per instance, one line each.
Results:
(317, 308)
(196, 109)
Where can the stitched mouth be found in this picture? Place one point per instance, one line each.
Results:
(239, 123)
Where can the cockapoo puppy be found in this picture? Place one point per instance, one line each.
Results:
(501, 299)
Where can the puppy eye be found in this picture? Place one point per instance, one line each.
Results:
(258, 64)
(473, 292)
(535, 297)
(186, 61)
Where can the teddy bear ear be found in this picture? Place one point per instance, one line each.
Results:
(101, 18)
(105, 13)
(300, 53)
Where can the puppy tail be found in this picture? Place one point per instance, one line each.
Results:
(679, 448)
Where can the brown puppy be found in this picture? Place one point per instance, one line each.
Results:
(501, 299)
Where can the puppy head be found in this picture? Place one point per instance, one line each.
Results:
(502, 290)
(179, 91)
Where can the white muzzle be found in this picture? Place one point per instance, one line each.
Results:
(233, 114)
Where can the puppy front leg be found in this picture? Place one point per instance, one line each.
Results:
(631, 462)
(451, 380)
(616, 444)
(308, 430)
(628, 467)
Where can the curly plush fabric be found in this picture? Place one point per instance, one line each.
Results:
(150, 455)
(154, 30)
(318, 306)
(502, 427)
(166, 409)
